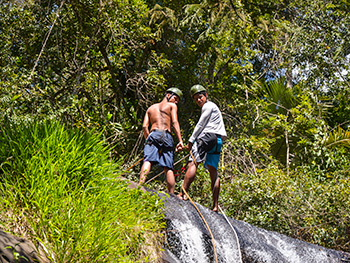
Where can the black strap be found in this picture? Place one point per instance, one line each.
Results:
(160, 130)
(216, 150)
(148, 142)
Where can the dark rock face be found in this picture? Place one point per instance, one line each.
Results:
(19, 250)
(189, 241)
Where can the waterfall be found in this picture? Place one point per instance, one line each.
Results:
(189, 241)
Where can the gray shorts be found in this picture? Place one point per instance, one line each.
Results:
(207, 148)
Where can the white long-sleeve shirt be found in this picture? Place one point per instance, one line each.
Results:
(210, 121)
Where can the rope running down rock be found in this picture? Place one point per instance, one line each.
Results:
(211, 234)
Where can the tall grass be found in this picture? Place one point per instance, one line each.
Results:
(61, 185)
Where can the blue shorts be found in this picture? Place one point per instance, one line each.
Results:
(159, 149)
(213, 156)
(207, 148)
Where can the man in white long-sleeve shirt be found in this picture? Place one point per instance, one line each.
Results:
(205, 143)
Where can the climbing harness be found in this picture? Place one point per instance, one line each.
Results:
(205, 222)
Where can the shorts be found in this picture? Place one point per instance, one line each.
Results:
(159, 149)
(207, 148)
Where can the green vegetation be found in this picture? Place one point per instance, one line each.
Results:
(60, 186)
(278, 70)
(297, 205)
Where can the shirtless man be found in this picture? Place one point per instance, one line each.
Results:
(159, 142)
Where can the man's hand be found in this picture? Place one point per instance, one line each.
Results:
(179, 147)
(189, 146)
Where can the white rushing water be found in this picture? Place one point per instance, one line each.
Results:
(190, 241)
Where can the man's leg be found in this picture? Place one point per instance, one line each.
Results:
(189, 178)
(215, 186)
(145, 169)
(170, 180)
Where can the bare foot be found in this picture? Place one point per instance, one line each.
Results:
(215, 209)
(182, 197)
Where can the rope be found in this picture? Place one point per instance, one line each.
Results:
(234, 231)
(194, 160)
(47, 37)
(211, 234)
(181, 171)
(132, 166)
(157, 174)
(137, 144)
(163, 170)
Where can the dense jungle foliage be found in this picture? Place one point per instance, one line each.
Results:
(278, 70)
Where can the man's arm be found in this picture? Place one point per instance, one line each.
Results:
(145, 125)
(203, 120)
(176, 125)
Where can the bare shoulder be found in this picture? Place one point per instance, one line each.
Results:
(173, 105)
(170, 107)
(153, 107)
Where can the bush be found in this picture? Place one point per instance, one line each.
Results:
(299, 205)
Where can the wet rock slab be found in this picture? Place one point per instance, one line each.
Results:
(188, 240)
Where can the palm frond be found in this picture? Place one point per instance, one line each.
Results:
(280, 96)
(338, 137)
